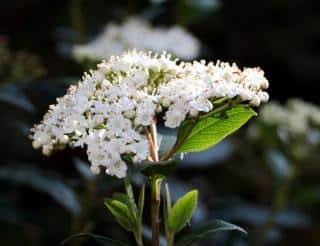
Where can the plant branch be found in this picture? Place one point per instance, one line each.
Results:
(166, 156)
(152, 146)
(155, 138)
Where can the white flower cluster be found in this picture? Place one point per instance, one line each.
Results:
(138, 34)
(108, 110)
(296, 117)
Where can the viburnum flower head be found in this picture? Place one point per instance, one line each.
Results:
(296, 117)
(137, 33)
(111, 106)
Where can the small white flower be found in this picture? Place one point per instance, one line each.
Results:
(117, 168)
(141, 149)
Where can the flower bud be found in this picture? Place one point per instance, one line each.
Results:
(46, 150)
(159, 109)
(194, 113)
(36, 144)
(64, 139)
(130, 114)
(95, 170)
(165, 102)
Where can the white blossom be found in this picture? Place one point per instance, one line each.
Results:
(108, 109)
(137, 33)
(295, 117)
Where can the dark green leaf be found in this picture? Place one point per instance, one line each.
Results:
(15, 96)
(211, 130)
(39, 180)
(104, 241)
(182, 211)
(204, 231)
(122, 213)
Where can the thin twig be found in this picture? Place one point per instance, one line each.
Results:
(152, 147)
(154, 135)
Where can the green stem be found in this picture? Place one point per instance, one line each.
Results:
(138, 236)
(179, 143)
(155, 207)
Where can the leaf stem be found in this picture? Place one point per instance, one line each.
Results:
(166, 156)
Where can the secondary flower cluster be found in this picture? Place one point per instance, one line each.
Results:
(138, 34)
(111, 107)
(296, 117)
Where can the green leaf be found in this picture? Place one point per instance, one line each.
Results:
(205, 230)
(14, 95)
(121, 197)
(211, 130)
(103, 241)
(132, 203)
(182, 211)
(122, 213)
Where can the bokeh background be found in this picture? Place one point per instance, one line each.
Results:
(45, 199)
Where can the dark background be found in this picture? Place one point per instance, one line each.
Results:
(281, 36)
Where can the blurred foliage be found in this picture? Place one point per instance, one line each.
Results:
(19, 65)
(44, 200)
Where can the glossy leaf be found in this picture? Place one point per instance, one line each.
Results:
(211, 130)
(122, 213)
(103, 241)
(182, 211)
(204, 231)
